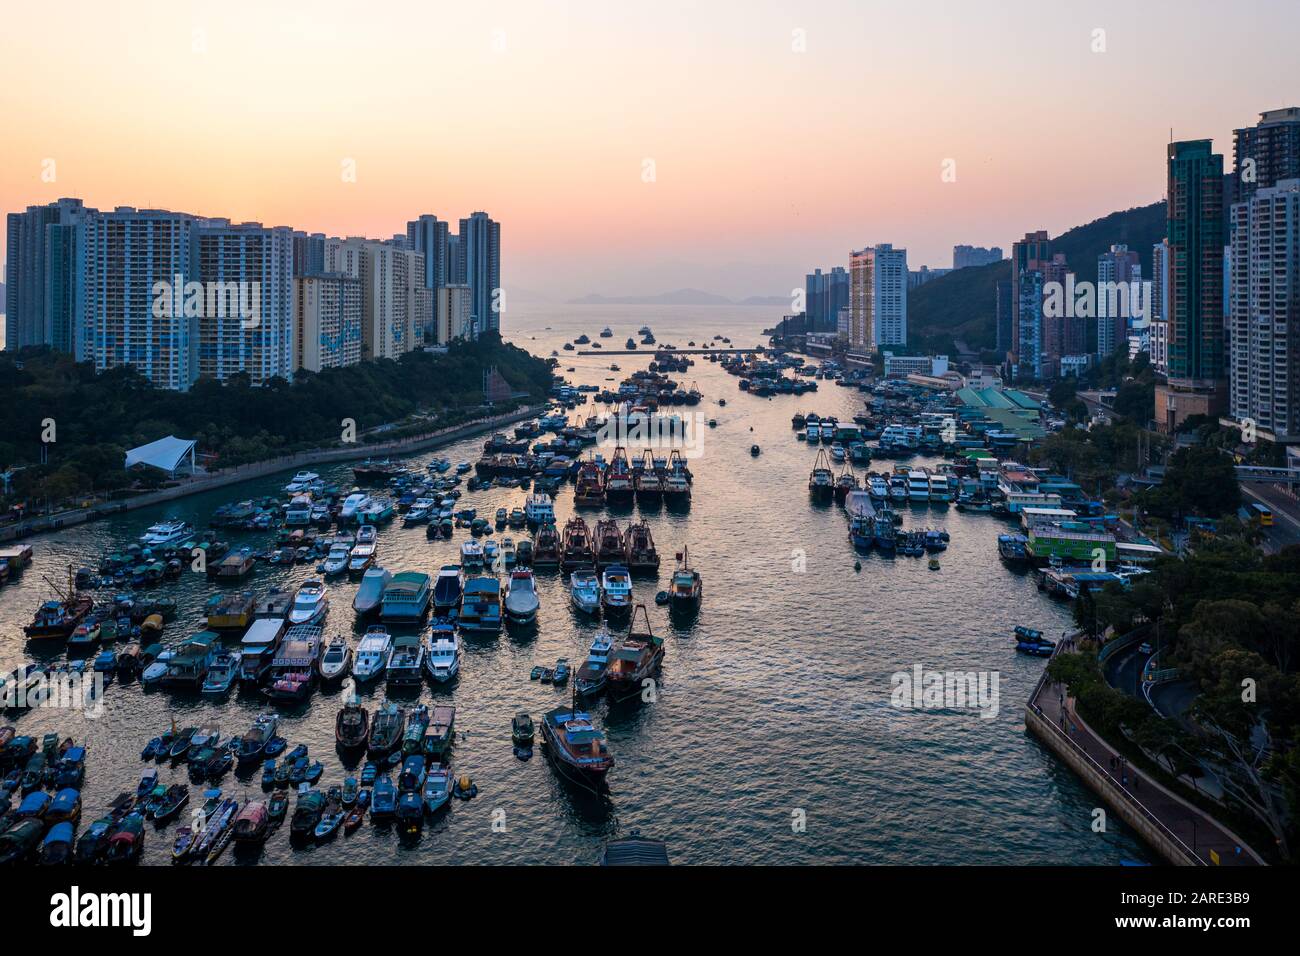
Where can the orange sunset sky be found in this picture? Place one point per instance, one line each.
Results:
(768, 159)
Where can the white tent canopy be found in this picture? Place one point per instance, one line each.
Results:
(166, 454)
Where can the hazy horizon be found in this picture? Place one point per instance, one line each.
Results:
(781, 135)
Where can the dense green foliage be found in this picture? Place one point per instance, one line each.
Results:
(1199, 481)
(97, 417)
(1228, 619)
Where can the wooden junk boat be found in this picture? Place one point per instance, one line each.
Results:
(620, 485)
(576, 551)
(574, 744)
(639, 549)
(609, 543)
(546, 547)
(635, 657)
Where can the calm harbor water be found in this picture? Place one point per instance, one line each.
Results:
(775, 700)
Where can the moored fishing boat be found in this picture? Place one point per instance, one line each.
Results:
(635, 656)
(417, 722)
(640, 553)
(438, 735)
(687, 587)
(386, 730)
(576, 549)
(352, 725)
(546, 547)
(575, 746)
(610, 547)
(821, 481)
(591, 676)
(253, 743)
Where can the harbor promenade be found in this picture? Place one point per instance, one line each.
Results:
(1182, 833)
(210, 480)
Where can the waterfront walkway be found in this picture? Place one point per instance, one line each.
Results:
(1190, 831)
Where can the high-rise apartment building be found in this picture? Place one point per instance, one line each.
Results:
(428, 235)
(1267, 153)
(967, 256)
(1264, 310)
(453, 314)
(1006, 312)
(137, 265)
(1194, 306)
(878, 296)
(1119, 284)
(44, 249)
(246, 316)
(397, 307)
(479, 248)
(327, 321)
(825, 293)
(1028, 360)
(1027, 255)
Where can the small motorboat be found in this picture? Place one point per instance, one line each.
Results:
(384, 801)
(331, 815)
(521, 729)
(56, 848)
(357, 812)
(437, 788)
(336, 659)
(584, 591)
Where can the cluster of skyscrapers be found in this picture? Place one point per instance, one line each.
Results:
(1218, 309)
(865, 305)
(180, 296)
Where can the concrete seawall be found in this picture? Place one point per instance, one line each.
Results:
(1117, 799)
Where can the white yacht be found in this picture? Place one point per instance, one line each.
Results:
(443, 660)
(616, 588)
(584, 591)
(372, 654)
(351, 504)
(334, 663)
(878, 487)
(540, 509)
(164, 533)
(301, 481)
(336, 562)
(310, 604)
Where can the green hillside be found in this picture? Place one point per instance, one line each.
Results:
(962, 305)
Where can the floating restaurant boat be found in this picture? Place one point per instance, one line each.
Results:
(547, 547)
(591, 676)
(821, 482)
(406, 599)
(575, 745)
(370, 595)
(576, 550)
(480, 606)
(294, 668)
(636, 656)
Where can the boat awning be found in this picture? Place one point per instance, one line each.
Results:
(166, 454)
